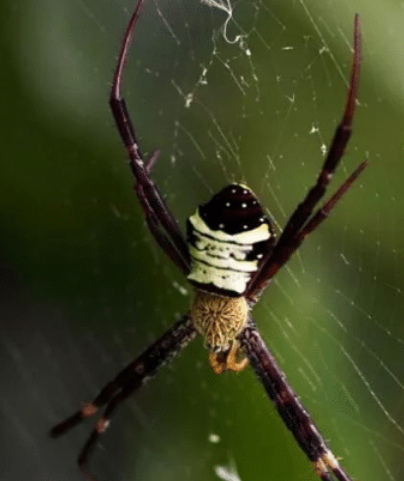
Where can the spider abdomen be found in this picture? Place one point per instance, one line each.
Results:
(227, 239)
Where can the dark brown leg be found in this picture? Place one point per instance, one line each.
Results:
(162, 223)
(288, 405)
(287, 241)
(126, 382)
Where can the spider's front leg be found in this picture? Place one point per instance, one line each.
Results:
(125, 383)
(288, 405)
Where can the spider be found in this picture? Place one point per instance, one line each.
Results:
(230, 255)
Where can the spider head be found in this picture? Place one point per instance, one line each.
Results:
(218, 319)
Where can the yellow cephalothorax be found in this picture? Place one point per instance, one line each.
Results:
(219, 320)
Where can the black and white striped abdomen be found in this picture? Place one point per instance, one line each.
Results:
(227, 239)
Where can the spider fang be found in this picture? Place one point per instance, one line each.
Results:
(229, 362)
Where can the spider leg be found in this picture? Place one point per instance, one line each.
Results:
(165, 227)
(336, 149)
(159, 235)
(322, 213)
(288, 405)
(152, 219)
(101, 425)
(282, 252)
(335, 152)
(131, 378)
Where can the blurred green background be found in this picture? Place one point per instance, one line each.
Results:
(84, 288)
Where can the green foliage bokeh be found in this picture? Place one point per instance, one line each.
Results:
(72, 234)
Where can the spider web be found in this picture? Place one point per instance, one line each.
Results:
(245, 91)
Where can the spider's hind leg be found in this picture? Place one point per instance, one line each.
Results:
(160, 220)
